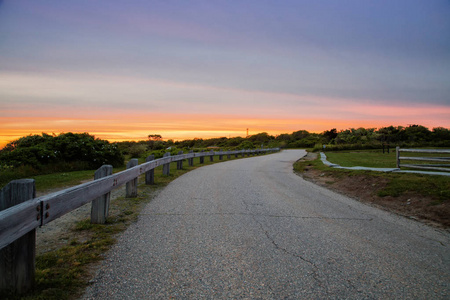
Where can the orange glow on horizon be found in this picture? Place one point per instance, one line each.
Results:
(178, 127)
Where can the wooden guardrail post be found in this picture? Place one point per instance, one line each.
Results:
(191, 160)
(17, 260)
(202, 158)
(180, 162)
(236, 155)
(220, 155)
(228, 155)
(166, 167)
(150, 175)
(131, 186)
(100, 206)
(397, 151)
(211, 156)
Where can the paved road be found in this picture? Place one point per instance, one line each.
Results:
(252, 229)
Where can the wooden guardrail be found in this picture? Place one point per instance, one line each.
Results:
(438, 163)
(21, 213)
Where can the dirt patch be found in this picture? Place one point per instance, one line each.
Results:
(364, 188)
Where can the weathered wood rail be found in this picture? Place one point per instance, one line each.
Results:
(21, 213)
(439, 163)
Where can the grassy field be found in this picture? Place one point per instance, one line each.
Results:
(64, 273)
(374, 159)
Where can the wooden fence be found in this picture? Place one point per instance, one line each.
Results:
(21, 213)
(435, 163)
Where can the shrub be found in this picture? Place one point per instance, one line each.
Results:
(137, 150)
(38, 151)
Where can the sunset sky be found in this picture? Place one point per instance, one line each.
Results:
(128, 68)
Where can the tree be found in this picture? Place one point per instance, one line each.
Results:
(330, 134)
(417, 133)
(301, 134)
(283, 137)
(260, 138)
(390, 134)
(441, 134)
(154, 137)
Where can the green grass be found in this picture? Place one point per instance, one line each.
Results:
(63, 273)
(426, 185)
(374, 159)
(57, 180)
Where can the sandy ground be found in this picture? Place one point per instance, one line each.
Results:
(57, 233)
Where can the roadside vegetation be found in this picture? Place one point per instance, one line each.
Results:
(47, 154)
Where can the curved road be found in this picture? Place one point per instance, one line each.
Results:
(252, 229)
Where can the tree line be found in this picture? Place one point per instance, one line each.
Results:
(84, 151)
(363, 138)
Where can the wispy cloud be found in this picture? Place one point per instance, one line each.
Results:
(292, 65)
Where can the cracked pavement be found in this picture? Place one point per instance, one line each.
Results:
(252, 229)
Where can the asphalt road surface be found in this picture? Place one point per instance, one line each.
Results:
(252, 229)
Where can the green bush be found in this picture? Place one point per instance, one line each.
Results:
(73, 148)
(246, 145)
(137, 150)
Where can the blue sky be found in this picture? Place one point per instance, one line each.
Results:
(275, 66)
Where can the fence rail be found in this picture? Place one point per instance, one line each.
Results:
(439, 165)
(18, 220)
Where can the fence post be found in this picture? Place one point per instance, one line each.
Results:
(131, 186)
(220, 155)
(150, 175)
(211, 155)
(397, 152)
(100, 206)
(202, 158)
(191, 160)
(180, 162)
(166, 167)
(236, 155)
(17, 260)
